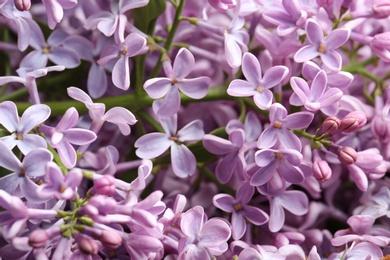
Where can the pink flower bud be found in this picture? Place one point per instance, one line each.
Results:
(330, 125)
(38, 238)
(110, 239)
(22, 5)
(381, 8)
(347, 155)
(353, 121)
(321, 170)
(105, 185)
(88, 246)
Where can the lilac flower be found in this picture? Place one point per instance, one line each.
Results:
(59, 185)
(63, 135)
(25, 173)
(256, 85)
(54, 10)
(280, 123)
(379, 205)
(20, 128)
(154, 144)
(236, 41)
(325, 48)
(362, 250)
(27, 77)
(316, 97)
(169, 87)
(292, 200)
(203, 238)
(240, 210)
(133, 45)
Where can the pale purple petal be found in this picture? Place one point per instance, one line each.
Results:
(122, 118)
(170, 104)
(274, 76)
(9, 117)
(183, 161)
(232, 51)
(337, 38)
(65, 57)
(306, 53)
(135, 43)
(121, 73)
(268, 138)
(10, 140)
(97, 81)
(277, 216)
(299, 120)
(332, 59)
(34, 59)
(264, 157)
(290, 173)
(183, 64)
(31, 142)
(8, 79)
(237, 137)
(217, 145)
(264, 174)
(192, 221)
(33, 116)
(318, 85)
(263, 99)
(330, 97)
(79, 136)
(35, 162)
(8, 159)
(67, 154)
(238, 225)
(224, 202)
(54, 12)
(251, 69)
(255, 215)
(193, 131)
(241, 88)
(314, 32)
(9, 182)
(289, 139)
(294, 201)
(132, 4)
(226, 166)
(301, 88)
(152, 145)
(157, 87)
(79, 95)
(195, 88)
(214, 233)
(23, 33)
(68, 120)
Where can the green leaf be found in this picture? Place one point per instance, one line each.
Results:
(145, 17)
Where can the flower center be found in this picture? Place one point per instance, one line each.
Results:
(237, 207)
(174, 138)
(279, 155)
(260, 89)
(19, 136)
(22, 173)
(321, 48)
(63, 188)
(174, 81)
(277, 124)
(45, 50)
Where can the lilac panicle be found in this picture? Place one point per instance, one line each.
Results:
(256, 84)
(20, 127)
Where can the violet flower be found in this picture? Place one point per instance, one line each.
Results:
(362, 250)
(379, 205)
(203, 238)
(23, 174)
(55, 10)
(176, 80)
(240, 210)
(323, 47)
(20, 127)
(256, 85)
(154, 144)
(64, 135)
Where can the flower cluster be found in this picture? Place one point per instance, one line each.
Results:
(194, 129)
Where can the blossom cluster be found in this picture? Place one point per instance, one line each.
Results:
(195, 129)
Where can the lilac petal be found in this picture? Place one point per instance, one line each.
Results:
(157, 87)
(330, 97)
(238, 226)
(359, 177)
(10, 141)
(195, 88)
(299, 120)
(314, 32)
(121, 73)
(33, 116)
(217, 145)
(23, 29)
(337, 38)
(268, 138)
(170, 104)
(183, 161)
(226, 166)
(192, 221)
(183, 64)
(264, 174)
(135, 43)
(79, 136)
(67, 154)
(264, 157)
(107, 25)
(65, 57)
(8, 79)
(306, 53)
(340, 80)
(310, 70)
(152, 145)
(81, 46)
(9, 117)
(251, 69)
(214, 233)
(35, 162)
(289, 140)
(274, 76)
(290, 173)
(277, 217)
(255, 215)
(169, 124)
(294, 157)
(9, 182)
(224, 202)
(318, 85)
(193, 131)
(245, 192)
(31, 142)
(237, 138)
(294, 201)
(97, 81)
(241, 88)
(192, 251)
(79, 95)
(37, 40)
(122, 118)
(232, 51)
(8, 159)
(13, 230)
(34, 59)
(263, 99)
(277, 112)
(301, 88)
(54, 12)
(252, 126)
(132, 4)
(29, 190)
(68, 120)
(332, 59)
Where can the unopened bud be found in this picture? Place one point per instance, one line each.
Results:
(347, 155)
(38, 238)
(88, 246)
(105, 185)
(110, 239)
(22, 5)
(353, 121)
(330, 125)
(321, 170)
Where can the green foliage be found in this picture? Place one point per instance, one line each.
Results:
(145, 17)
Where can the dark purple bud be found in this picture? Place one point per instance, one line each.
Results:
(105, 185)
(22, 5)
(325, 3)
(321, 170)
(110, 239)
(353, 121)
(38, 238)
(88, 246)
(347, 155)
(330, 125)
